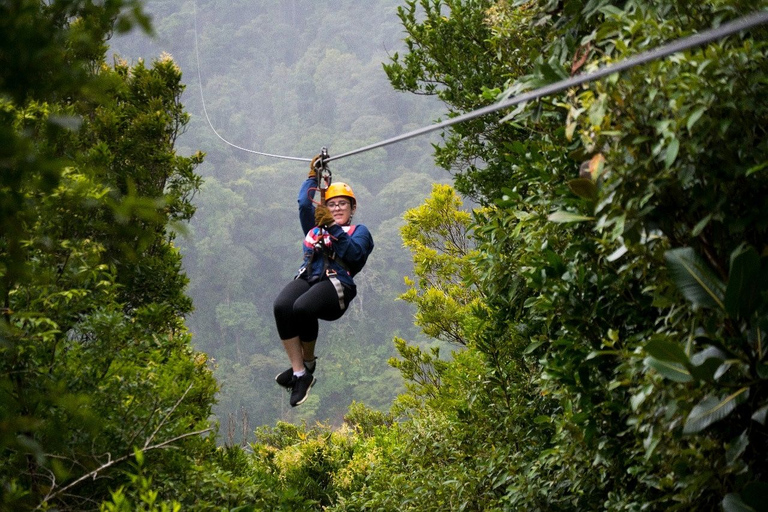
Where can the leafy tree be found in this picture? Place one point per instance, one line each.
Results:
(436, 234)
(96, 360)
(616, 307)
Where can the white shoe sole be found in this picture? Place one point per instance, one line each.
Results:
(306, 395)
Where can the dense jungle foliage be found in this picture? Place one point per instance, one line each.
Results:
(605, 302)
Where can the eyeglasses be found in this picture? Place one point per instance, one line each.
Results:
(340, 205)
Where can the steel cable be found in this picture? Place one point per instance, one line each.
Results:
(686, 43)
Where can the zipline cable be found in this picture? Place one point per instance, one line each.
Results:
(679, 45)
(205, 110)
(686, 43)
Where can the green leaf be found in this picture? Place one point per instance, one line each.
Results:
(562, 217)
(736, 448)
(618, 253)
(699, 227)
(708, 369)
(760, 414)
(741, 295)
(733, 503)
(710, 352)
(695, 115)
(583, 187)
(756, 168)
(552, 71)
(666, 350)
(695, 280)
(711, 410)
(672, 371)
(533, 346)
(709, 364)
(671, 154)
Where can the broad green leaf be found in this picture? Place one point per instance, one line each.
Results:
(552, 71)
(533, 346)
(583, 187)
(562, 217)
(618, 253)
(695, 116)
(695, 280)
(708, 369)
(712, 409)
(708, 353)
(672, 371)
(736, 448)
(671, 153)
(699, 227)
(743, 282)
(760, 414)
(710, 364)
(666, 350)
(612, 11)
(733, 503)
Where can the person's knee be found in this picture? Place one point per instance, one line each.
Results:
(303, 311)
(282, 309)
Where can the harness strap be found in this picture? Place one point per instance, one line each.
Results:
(339, 290)
(318, 240)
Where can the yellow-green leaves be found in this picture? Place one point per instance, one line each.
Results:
(436, 234)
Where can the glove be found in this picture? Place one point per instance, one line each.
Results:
(314, 166)
(323, 216)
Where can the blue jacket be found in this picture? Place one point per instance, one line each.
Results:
(350, 244)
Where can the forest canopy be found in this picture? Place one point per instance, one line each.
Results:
(586, 289)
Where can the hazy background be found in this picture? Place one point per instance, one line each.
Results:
(289, 78)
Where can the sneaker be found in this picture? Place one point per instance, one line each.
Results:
(285, 379)
(301, 387)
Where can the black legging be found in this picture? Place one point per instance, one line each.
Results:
(300, 305)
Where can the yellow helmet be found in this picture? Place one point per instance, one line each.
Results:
(340, 189)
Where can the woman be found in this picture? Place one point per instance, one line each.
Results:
(334, 251)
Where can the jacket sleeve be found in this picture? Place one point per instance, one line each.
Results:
(353, 250)
(306, 206)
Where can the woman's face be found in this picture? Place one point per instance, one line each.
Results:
(341, 209)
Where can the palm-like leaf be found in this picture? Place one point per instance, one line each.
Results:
(694, 278)
(712, 409)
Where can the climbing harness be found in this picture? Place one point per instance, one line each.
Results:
(321, 242)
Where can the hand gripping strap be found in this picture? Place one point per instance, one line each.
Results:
(316, 233)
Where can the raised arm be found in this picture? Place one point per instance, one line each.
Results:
(306, 206)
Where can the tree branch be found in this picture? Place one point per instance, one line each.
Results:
(93, 474)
